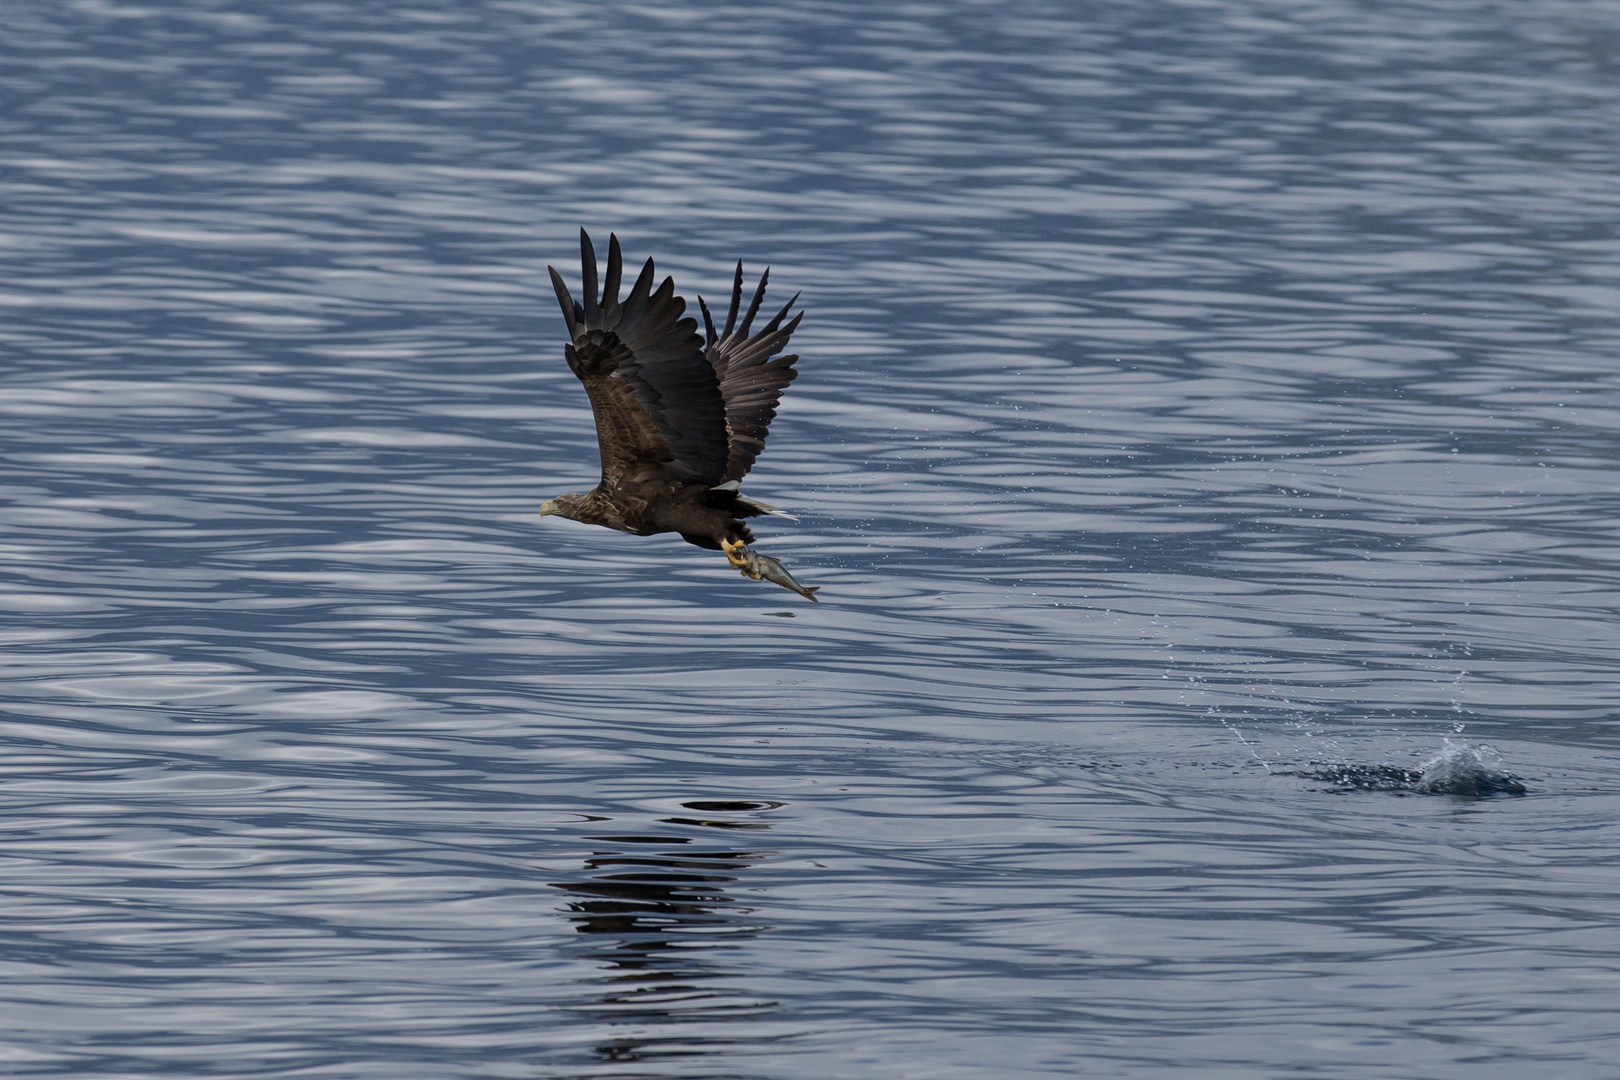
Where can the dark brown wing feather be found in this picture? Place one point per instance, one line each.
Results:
(655, 395)
(751, 382)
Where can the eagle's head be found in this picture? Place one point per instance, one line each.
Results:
(567, 505)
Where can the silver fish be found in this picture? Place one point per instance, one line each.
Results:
(756, 566)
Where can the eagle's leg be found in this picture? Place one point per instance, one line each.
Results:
(737, 554)
(754, 565)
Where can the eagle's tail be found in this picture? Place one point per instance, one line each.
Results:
(752, 507)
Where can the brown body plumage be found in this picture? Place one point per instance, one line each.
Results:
(680, 418)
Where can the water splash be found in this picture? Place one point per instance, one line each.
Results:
(1460, 769)
(1254, 750)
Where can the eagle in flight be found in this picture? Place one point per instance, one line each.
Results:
(679, 418)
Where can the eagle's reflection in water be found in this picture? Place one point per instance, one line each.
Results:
(661, 921)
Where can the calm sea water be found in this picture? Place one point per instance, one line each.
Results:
(1206, 446)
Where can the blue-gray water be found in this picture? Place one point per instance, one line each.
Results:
(1207, 411)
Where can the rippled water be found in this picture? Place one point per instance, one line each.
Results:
(1207, 433)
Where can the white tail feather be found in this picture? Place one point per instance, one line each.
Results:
(752, 504)
(765, 508)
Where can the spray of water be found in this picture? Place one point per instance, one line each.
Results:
(1462, 769)
(1254, 750)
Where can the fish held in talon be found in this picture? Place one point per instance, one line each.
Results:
(763, 566)
(680, 417)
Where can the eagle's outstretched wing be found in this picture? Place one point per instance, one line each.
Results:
(751, 382)
(655, 396)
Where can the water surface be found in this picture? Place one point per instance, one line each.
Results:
(1203, 405)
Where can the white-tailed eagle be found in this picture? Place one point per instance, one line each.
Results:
(679, 418)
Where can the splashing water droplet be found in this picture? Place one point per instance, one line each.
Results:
(1461, 769)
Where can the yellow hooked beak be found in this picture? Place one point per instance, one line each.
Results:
(549, 507)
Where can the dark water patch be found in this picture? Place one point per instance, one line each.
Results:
(1359, 777)
(734, 806)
